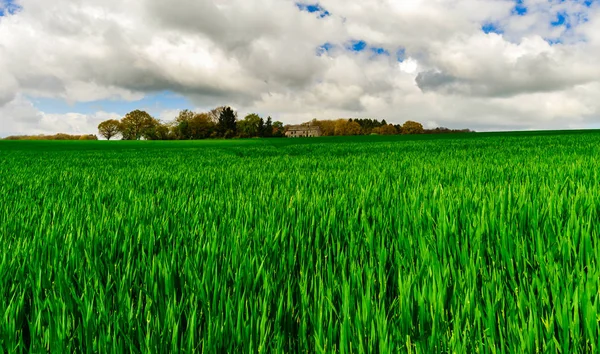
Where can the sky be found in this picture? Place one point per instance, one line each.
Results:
(488, 65)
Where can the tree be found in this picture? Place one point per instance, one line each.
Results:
(368, 125)
(341, 126)
(215, 114)
(190, 125)
(227, 125)
(388, 130)
(278, 129)
(353, 128)
(109, 128)
(250, 126)
(156, 130)
(163, 131)
(327, 126)
(201, 126)
(135, 123)
(261, 128)
(410, 127)
(347, 127)
(88, 137)
(181, 125)
(268, 128)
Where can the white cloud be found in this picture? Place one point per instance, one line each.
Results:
(409, 66)
(19, 117)
(260, 55)
(168, 115)
(74, 123)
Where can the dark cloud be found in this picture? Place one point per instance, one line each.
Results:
(435, 81)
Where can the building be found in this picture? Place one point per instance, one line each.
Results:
(298, 131)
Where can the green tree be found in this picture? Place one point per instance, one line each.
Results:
(201, 126)
(134, 124)
(243, 129)
(227, 125)
(278, 129)
(190, 125)
(250, 126)
(109, 128)
(268, 128)
(215, 114)
(156, 130)
(369, 125)
(261, 128)
(181, 125)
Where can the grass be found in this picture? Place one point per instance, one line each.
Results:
(469, 243)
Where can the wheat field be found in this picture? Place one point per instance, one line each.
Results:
(483, 243)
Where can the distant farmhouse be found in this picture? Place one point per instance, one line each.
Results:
(297, 131)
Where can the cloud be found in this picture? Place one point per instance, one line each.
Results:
(487, 65)
(268, 56)
(431, 80)
(8, 88)
(21, 117)
(19, 112)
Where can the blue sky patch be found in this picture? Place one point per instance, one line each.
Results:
(8, 7)
(313, 8)
(152, 103)
(561, 19)
(324, 49)
(379, 51)
(357, 46)
(491, 28)
(519, 9)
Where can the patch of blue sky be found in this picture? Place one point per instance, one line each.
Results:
(491, 28)
(357, 45)
(553, 41)
(561, 20)
(520, 9)
(8, 7)
(379, 51)
(152, 103)
(313, 8)
(353, 46)
(324, 48)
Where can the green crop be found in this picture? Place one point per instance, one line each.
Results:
(478, 243)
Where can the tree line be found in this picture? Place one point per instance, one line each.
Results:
(59, 136)
(366, 126)
(223, 122)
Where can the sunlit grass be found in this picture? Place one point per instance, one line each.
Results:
(473, 244)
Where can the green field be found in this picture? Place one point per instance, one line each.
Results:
(457, 243)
